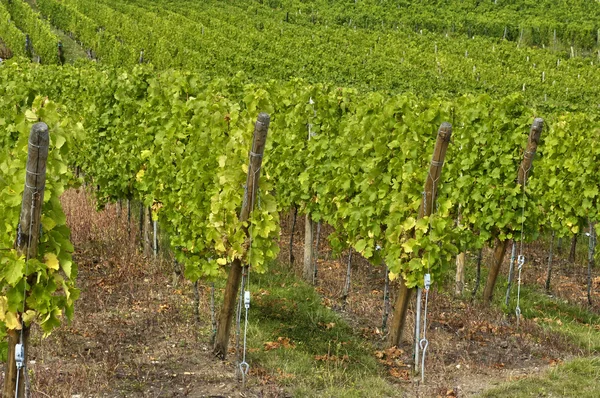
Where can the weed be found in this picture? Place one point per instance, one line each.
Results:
(324, 356)
(577, 378)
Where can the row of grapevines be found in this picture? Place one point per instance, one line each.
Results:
(574, 22)
(108, 48)
(44, 41)
(179, 144)
(165, 41)
(48, 281)
(10, 35)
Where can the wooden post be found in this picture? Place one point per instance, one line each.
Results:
(348, 282)
(213, 313)
(316, 254)
(147, 232)
(129, 218)
(386, 300)
(478, 274)
(460, 265)
(550, 256)
(591, 252)
(435, 170)
(511, 269)
(27, 241)
(399, 313)
(573, 249)
(142, 225)
(197, 303)
(307, 273)
(61, 53)
(154, 237)
(291, 258)
(235, 272)
(524, 168)
(460, 274)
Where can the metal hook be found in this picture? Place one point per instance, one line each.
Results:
(521, 261)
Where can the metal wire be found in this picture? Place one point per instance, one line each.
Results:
(243, 366)
(424, 342)
(521, 257)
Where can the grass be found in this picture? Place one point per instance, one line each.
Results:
(313, 358)
(574, 322)
(577, 378)
(310, 349)
(72, 50)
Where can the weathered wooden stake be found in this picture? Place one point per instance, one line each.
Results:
(386, 300)
(511, 272)
(478, 274)
(573, 249)
(435, 171)
(129, 218)
(235, 272)
(591, 252)
(460, 274)
(524, 168)
(348, 281)
(147, 234)
(316, 254)
(460, 265)
(27, 243)
(307, 273)
(399, 313)
(291, 258)
(196, 303)
(213, 313)
(154, 237)
(142, 225)
(549, 273)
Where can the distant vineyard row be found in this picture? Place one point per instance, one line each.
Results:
(539, 23)
(222, 42)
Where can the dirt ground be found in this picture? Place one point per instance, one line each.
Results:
(135, 333)
(569, 280)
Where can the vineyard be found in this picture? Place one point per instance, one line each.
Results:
(299, 198)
